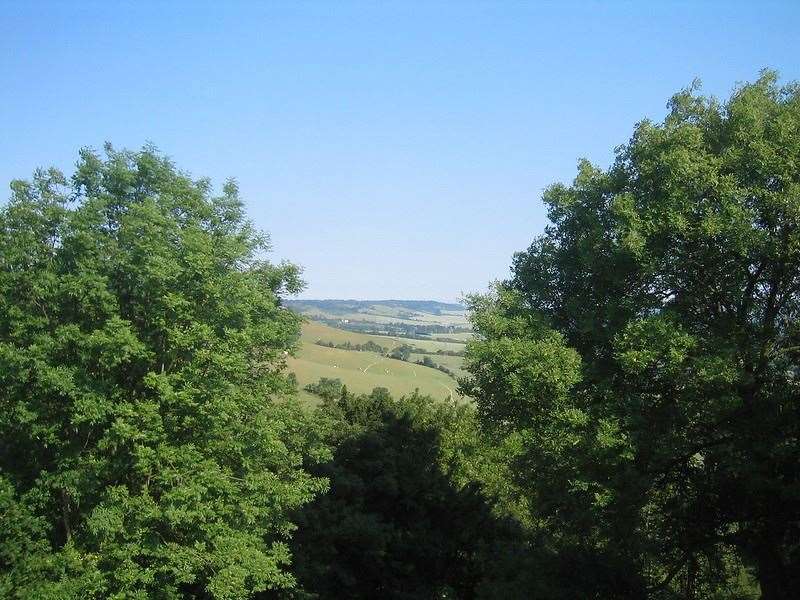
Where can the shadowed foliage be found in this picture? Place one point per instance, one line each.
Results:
(645, 353)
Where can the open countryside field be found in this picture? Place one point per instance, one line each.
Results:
(456, 320)
(407, 319)
(462, 337)
(433, 345)
(454, 363)
(419, 313)
(314, 331)
(363, 371)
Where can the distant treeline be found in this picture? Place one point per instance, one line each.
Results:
(351, 306)
(453, 340)
(369, 346)
(402, 352)
(396, 328)
(427, 361)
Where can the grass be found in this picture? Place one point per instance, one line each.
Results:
(434, 345)
(454, 363)
(459, 320)
(363, 371)
(314, 331)
(380, 314)
(461, 336)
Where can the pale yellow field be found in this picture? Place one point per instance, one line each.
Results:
(443, 319)
(314, 331)
(461, 336)
(434, 345)
(363, 371)
(454, 363)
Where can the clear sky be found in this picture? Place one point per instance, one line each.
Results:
(395, 150)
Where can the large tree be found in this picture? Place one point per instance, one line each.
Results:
(647, 351)
(405, 518)
(141, 341)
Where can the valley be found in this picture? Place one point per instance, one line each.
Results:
(402, 346)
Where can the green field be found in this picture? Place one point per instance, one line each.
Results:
(431, 345)
(363, 371)
(460, 336)
(314, 331)
(412, 314)
(454, 363)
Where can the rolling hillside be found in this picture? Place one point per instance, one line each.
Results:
(414, 318)
(362, 371)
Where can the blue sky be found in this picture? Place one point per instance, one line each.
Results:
(394, 150)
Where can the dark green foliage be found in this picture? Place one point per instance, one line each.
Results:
(326, 388)
(396, 523)
(401, 352)
(646, 353)
(449, 352)
(141, 339)
(368, 346)
(427, 361)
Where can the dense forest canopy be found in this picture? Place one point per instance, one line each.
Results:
(633, 429)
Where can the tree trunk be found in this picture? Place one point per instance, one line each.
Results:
(65, 515)
(773, 575)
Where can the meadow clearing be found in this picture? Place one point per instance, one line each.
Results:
(363, 371)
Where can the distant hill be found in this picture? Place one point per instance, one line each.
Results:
(343, 307)
(406, 318)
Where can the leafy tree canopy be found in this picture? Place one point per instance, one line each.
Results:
(646, 350)
(141, 339)
(406, 517)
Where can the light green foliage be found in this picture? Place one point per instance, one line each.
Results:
(141, 341)
(530, 381)
(646, 351)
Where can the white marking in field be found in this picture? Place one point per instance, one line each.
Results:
(381, 359)
(450, 391)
